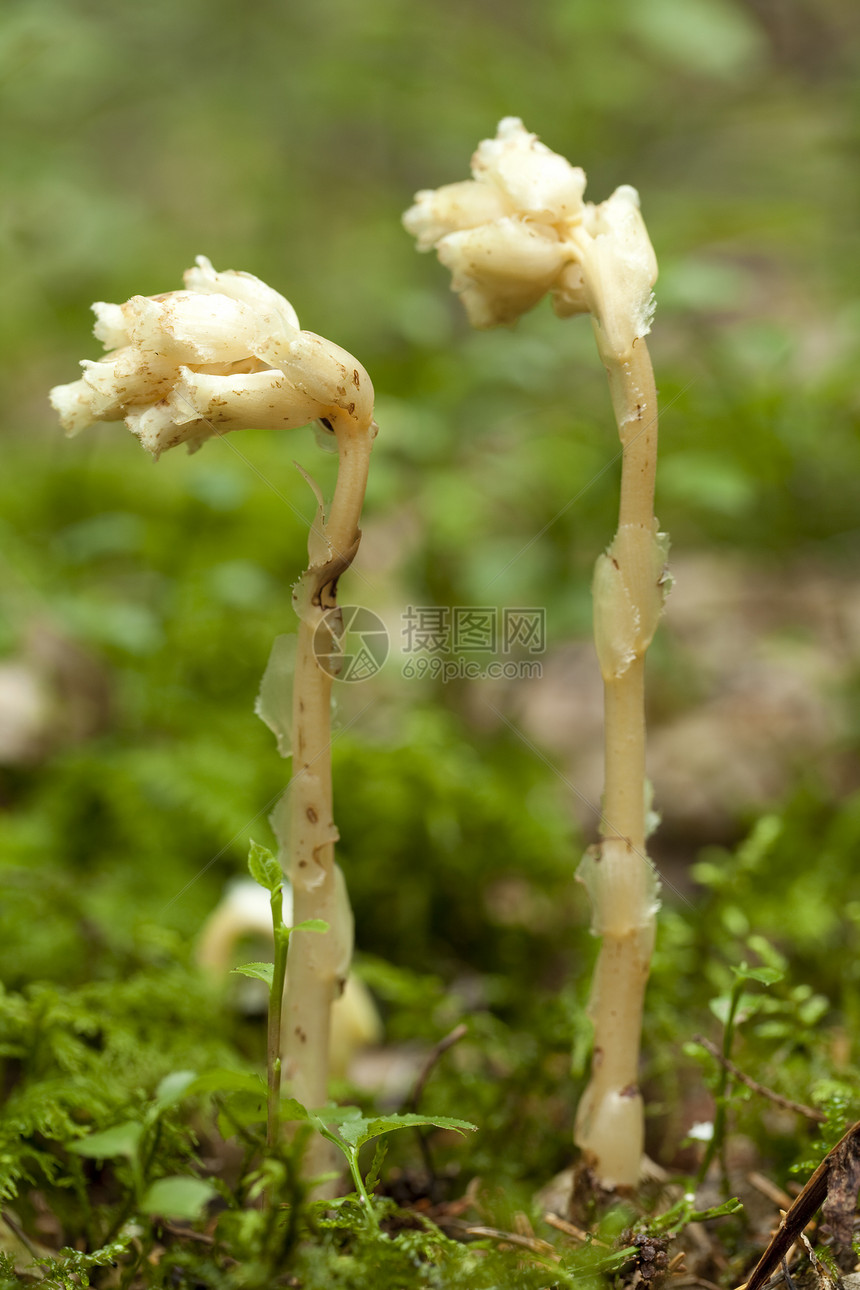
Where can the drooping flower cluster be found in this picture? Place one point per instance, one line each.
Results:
(520, 228)
(224, 354)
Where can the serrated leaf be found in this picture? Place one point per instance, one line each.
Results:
(178, 1197)
(259, 971)
(357, 1131)
(121, 1140)
(263, 867)
(174, 1087)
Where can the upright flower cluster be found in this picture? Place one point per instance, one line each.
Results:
(520, 228)
(517, 230)
(224, 354)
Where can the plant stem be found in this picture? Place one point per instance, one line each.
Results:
(317, 964)
(311, 987)
(276, 999)
(627, 601)
(721, 1097)
(361, 1191)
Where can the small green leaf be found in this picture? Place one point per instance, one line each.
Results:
(733, 1206)
(260, 971)
(290, 1109)
(748, 1005)
(70, 1267)
(174, 1087)
(242, 1110)
(178, 1197)
(768, 953)
(371, 1182)
(222, 1080)
(311, 925)
(764, 975)
(355, 1132)
(121, 1140)
(336, 1114)
(263, 867)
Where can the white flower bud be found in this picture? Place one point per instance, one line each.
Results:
(488, 231)
(222, 355)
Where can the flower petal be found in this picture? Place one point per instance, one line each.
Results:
(123, 378)
(110, 325)
(620, 270)
(156, 428)
(337, 381)
(536, 180)
(502, 270)
(192, 328)
(262, 400)
(240, 286)
(74, 403)
(440, 211)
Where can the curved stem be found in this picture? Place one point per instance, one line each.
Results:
(317, 964)
(618, 873)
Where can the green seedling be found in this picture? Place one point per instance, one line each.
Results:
(347, 1129)
(265, 870)
(728, 1008)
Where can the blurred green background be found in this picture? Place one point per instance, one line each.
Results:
(139, 603)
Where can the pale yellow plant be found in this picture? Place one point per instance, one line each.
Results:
(224, 354)
(517, 230)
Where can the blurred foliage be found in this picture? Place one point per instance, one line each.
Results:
(286, 139)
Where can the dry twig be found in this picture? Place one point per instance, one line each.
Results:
(438, 1050)
(817, 1116)
(830, 1186)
